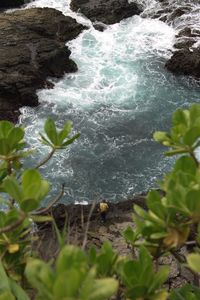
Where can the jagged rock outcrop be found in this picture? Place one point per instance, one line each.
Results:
(186, 56)
(107, 12)
(32, 47)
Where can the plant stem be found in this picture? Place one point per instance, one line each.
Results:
(44, 161)
(54, 201)
(13, 225)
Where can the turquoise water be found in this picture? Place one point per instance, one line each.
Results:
(120, 95)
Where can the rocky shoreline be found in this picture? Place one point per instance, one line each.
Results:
(32, 48)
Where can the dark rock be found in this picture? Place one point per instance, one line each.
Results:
(185, 62)
(11, 3)
(32, 47)
(108, 12)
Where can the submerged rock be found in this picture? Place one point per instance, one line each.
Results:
(32, 47)
(108, 12)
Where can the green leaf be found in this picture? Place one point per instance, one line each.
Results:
(155, 205)
(5, 127)
(33, 185)
(15, 136)
(51, 131)
(186, 164)
(129, 235)
(70, 257)
(180, 117)
(160, 136)
(33, 177)
(70, 141)
(104, 289)
(40, 275)
(194, 113)
(159, 278)
(44, 189)
(4, 281)
(64, 132)
(4, 146)
(12, 187)
(140, 211)
(69, 288)
(17, 290)
(193, 201)
(28, 205)
(193, 261)
(45, 141)
(6, 296)
(191, 136)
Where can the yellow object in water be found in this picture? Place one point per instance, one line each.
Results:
(103, 206)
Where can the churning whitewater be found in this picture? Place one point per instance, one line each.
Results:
(120, 95)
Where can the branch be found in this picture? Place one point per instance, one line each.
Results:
(87, 226)
(54, 201)
(14, 224)
(46, 159)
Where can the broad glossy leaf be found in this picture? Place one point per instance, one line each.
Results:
(44, 189)
(70, 257)
(12, 187)
(161, 136)
(64, 132)
(191, 136)
(17, 290)
(6, 295)
(180, 117)
(4, 146)
(159, 279)
(67, 284)
(4, 280)
(186, 164)
(15, 136)
(129, 235)
(5, 127)
(31, 176)
(70, 141)
(193, 261)
(104, 289)
(29, 204)
(194, 113)
(51, 131)
(44, 140)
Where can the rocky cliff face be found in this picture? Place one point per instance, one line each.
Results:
(32, 47)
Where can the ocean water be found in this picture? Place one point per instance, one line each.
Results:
(120, 95)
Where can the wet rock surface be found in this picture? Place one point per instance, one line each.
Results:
(107, 12)
(186, 56)
(32, 48)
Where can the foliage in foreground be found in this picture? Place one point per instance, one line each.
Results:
(170, 222)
